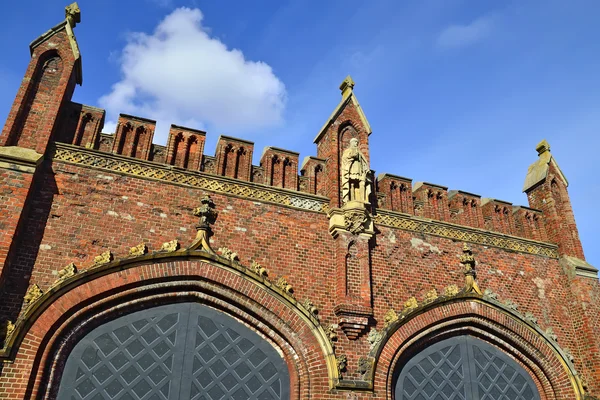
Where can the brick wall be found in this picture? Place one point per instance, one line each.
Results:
(72, 212)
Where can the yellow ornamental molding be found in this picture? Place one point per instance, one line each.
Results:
(103, 258)
(410, 305)
(138, 250)
(149, 170)
(465, 234)
(65, 273)
(171, 246)
(259, 269)
(33, 294)
(390, 317)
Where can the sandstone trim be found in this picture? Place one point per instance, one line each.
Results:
(465, 234)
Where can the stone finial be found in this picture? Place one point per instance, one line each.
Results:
(207, 214)
(347, 85)
(468, 262)
(73, 14)
(33, 293)
(542, 147)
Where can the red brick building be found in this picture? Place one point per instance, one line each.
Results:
(130, 270)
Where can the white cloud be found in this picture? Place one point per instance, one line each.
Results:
(180, 74)
(464, 35)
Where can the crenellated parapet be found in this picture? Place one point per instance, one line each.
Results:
(185, 147)
(395, 193)
(280, 168)
(323, 175)
(465, 208)
(134, 136)
(498, 216)
(312, 179)
(233, 158)
(529, 223)
(431, 201)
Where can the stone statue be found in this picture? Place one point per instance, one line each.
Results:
(356, 180)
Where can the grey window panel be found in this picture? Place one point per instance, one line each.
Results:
(464, 368)
(179, 351)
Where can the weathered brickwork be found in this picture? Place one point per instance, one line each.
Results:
(348, 276)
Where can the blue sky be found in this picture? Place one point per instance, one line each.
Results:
(458, 93)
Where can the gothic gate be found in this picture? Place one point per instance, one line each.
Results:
(464, 368)
(171, 352)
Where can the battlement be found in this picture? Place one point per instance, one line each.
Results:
(280, 168)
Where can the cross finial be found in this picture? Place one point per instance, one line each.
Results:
(73, 14)
(347, 85)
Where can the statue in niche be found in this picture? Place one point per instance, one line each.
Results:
(356, 180)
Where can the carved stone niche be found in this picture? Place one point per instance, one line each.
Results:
(353, 217)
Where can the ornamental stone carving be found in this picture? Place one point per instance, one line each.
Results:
(374, 338)
(65, 273)
(342, 363)
(33, 293)
(10, 328)
(103, 258)
(171, 246)
(228, 254)
(283, 284)
(451, 291)
(355, 220)
(310, 307)
(410, 305)
(468, 262)
(259, 269)
(430, 296)
(390, 317)
(138, 250)
(355, 174)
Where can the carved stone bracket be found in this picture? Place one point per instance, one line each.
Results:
(353, 320)
(353, 217)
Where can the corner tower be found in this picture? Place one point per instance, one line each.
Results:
(49, 82)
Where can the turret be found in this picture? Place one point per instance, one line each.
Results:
(546, 189)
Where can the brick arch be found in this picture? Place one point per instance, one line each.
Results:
(552, 374)
(73, 309)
